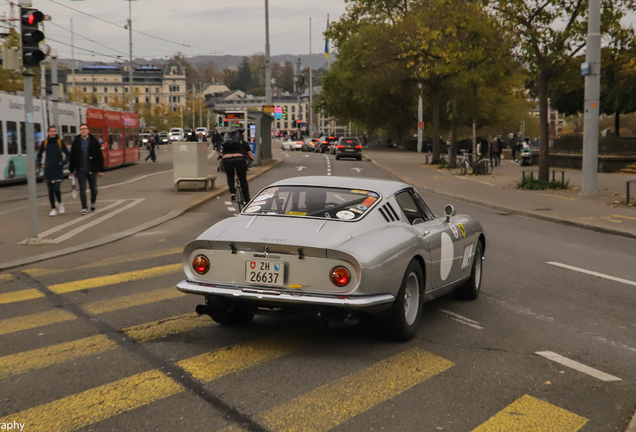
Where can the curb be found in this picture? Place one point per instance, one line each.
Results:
(172, 214)
(517, 212)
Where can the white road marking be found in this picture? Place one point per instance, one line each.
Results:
(228, 203)
(232, 209)
(357, 169)
(80, 219)
(601, 275)
(461, 319)
(133, 180)
(95, 222)
(300, 168)
(306, 155)
(287, 154)
(577, 366)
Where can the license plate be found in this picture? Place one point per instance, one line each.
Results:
(265, 272)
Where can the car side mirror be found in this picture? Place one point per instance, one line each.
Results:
(449, 211)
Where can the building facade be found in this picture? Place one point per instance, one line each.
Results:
(152, 85)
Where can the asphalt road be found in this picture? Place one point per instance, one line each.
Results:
(101, 341)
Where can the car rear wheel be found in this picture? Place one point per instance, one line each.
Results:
(470, 290)
(403, 317)
(227, 313)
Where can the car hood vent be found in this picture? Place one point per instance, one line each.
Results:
(388, 213)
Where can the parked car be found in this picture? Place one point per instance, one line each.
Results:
(325, 143)
(335, 248)
(177, 134)
(348, 148)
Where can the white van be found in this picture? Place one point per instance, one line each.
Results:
(201, 130)
(176, 134)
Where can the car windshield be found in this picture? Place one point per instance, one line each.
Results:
(313, 201)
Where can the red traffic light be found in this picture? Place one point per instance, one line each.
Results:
(32, 17)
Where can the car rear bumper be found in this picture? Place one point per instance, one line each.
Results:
(299, 299)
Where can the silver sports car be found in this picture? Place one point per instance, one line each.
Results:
(335, 248)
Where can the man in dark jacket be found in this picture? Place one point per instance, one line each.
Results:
(87, 163)
(55, 156)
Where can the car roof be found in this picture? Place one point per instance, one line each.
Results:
(385, 187)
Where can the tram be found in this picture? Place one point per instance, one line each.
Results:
(117, 131)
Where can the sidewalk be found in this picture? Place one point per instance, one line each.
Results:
(603, 212)
(130, 200)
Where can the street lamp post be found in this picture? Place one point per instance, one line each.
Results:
(592, 99)
(130, 71)
(268, 70)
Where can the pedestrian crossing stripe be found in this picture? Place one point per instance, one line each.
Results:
(100, 403)
(41, 319)
(101, 281)
(6, 277)
(18, 296)
(35, 272)
(529, 414)
(40, 358)
(335, 403)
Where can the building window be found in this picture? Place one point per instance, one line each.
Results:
(278, 125)
(300, 108)
(84, 89)
(293, 108)
(147, 90)
(105, 99)
(147, 100)
(105, 89)
(179, 99)
(285, 125)
(293, 116)
(94, 89)
(116, 90)
(136, 100)
(156, 100)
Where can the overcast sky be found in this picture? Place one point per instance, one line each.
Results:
(208, 26)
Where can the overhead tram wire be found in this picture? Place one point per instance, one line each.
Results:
(84, 37)
(120, 26)
(90, 51)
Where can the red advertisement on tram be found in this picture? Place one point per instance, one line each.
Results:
(114, 138)
(132, 152)
(97, 125)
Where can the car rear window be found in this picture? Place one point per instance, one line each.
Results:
(318, 202)
(349, 142)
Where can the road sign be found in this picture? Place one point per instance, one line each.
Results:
(420, 125)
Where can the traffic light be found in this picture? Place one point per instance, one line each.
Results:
(32, 55)
(221, 123)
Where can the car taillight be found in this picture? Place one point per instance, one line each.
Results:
(340, 276)
(340, 146)
(359, 147)
(325, 142)
(201, 264)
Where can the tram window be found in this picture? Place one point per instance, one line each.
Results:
(23, 149)
(1, 140)
(37, 127)
(12, 138)
(100, 135)
(110, 141)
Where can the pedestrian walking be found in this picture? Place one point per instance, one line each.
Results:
(157, 141)
(494, 151)
(87, 163)
(483, 149)
(55, 157)
(151, 150)
(513, 150)
(518, 147)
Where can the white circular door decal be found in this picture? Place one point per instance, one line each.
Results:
(446, 261)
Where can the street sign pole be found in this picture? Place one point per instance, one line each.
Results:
(30, 145)
(592, 99)
(419, 122)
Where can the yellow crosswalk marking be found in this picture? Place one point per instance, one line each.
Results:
(26, 322)
(6, 277)
(166, 327)
(108, 261)
(335, 403)
(115, 279)
(22, 295)
(210, 366)
(91, 406)
(529, 414)
(23, 362)
(132, 300)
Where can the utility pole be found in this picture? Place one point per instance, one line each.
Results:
(130, 72)
(310, 119)
(592, 99)
(299, 89)
(194, 111)
(268, 70)
(30, 144)
(419, 120)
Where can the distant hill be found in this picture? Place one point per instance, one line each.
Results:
(224, 61)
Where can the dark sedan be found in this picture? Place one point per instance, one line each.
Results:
(349, 148)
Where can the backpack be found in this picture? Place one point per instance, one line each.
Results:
(59, 142)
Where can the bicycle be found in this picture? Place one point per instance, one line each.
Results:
(482, 167)
(240, 198)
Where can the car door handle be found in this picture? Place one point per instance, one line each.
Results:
(425, 233)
